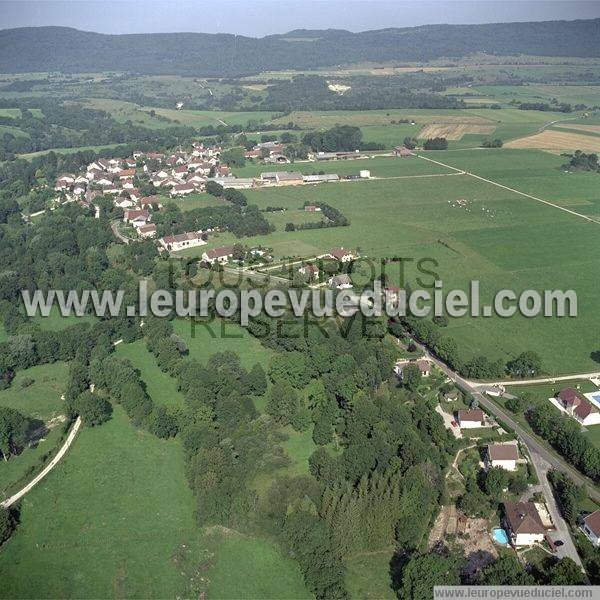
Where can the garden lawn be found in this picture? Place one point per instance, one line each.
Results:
(205, 338)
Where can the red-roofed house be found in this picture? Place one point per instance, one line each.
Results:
(578, 406)
(136, 217)
(147, 231)
(218, 255)
(183, 240)
(402, 152)
(470, 419)
(342, 255)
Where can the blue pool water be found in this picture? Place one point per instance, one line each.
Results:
(596, 398)
(500, 536)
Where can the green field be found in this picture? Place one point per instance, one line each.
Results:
(20, 469)
(73, 150)
(160, 387)
(571, 94)
(502, 239)
(13, 113)
(205, 338)
(166, 117)
(40, 400)
(368, 576)
(115, 519)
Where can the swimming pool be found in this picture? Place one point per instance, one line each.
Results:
(500, 536)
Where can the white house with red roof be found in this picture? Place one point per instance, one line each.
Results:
(576, 405)
(136, 217)
(341, 255)
(218, 255)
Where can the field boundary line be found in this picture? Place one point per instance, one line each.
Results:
(15, 497)
(505, 187)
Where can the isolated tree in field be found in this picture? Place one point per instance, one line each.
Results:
(411, 376)
(92, 408)
(14, 431)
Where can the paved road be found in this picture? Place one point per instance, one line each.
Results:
(562, 532)
(537, 451)
(540, 379)
(15, 497)
(115, 229)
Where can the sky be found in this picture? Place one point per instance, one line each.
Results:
(258, 18)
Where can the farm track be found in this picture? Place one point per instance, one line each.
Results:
(505, 187)
(59, 455)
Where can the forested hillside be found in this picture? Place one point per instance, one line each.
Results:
(70, 50)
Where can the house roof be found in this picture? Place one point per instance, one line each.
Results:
(570, 396)
(423, 365)
(147, 228)
(339, 253)
(593, 522)
(288, 176)
(503, 452)
(581, 406)
(473, 414)
(219, 252)
(183, 237)
(523, 517)
(134, 214)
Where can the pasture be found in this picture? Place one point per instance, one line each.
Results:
(115, 518)
(493, 235)
(40, 399)
(160, 387)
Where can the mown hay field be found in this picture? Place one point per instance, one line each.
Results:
(454, 132)
(558, 141)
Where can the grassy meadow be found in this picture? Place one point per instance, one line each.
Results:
(115, 519)
(496, 236)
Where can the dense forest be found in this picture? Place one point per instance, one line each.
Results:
(70, 50)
